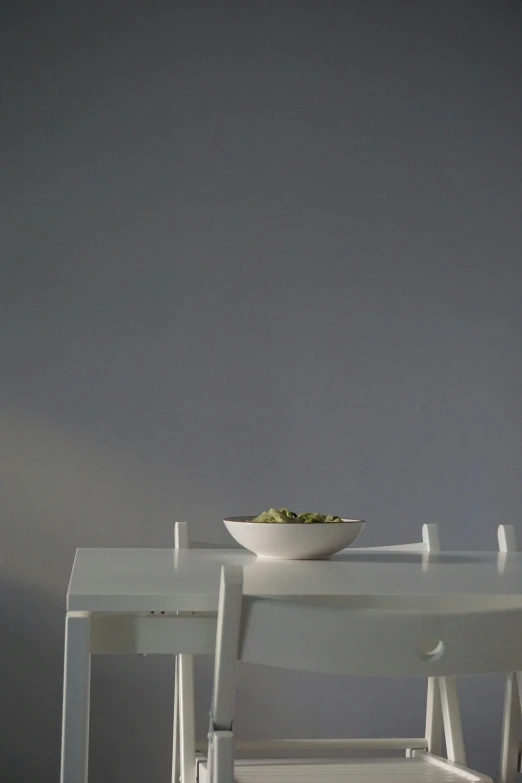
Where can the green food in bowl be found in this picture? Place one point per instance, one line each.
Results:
(285, 516)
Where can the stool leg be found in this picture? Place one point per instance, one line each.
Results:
(76, 699)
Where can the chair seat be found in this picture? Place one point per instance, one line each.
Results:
(423, 768)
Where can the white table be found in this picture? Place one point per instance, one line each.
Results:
(128, 600)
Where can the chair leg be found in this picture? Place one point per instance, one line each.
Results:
(452, 722)
(223, 757)
(434, 726)
(511, 720)
(175, 726)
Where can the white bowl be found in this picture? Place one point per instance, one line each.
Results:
(293, 540)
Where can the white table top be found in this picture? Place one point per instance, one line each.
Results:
(144, 580)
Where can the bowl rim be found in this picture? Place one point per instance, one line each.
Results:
(249, 520)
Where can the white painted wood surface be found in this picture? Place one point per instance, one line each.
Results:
(120, 595)
(434, 720)
(301, 635)
(418, 644)
(184, 687)
(511, 718)
(76, 699)
(451, 718)
(510, 742)
(416, 770)
(145, 580)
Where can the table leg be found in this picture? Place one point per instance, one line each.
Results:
(76, 698)
(187, 728)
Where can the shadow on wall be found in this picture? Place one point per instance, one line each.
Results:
(131, 697)
(31, 683)
(61, 490)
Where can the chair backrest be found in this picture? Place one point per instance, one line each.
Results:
(507, 539)
(442, 703)
(337, 640)
(344, 640)
(429, 543)
(182, 540)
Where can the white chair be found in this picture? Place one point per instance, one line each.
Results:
(432, 741)
(183, 731)
(511, 720)
(338, 639)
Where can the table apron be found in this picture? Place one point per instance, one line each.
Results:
(149, 635)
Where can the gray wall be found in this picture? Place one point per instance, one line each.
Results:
(252, 253)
